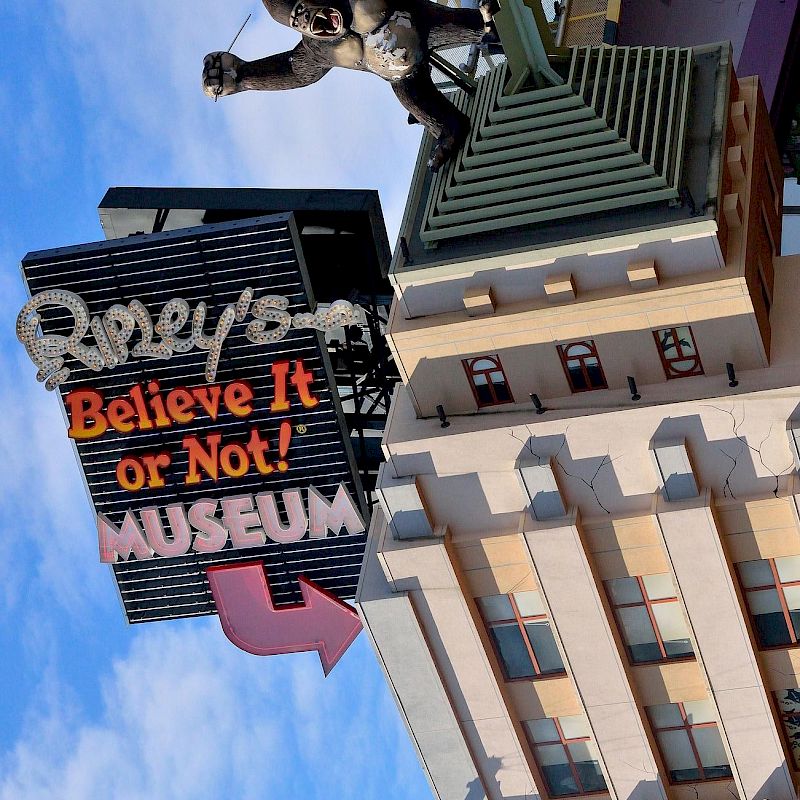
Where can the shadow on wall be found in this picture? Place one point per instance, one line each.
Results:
(729, 466)
(454, 492)
(644, 790)
(475, 787)
(443, 379)
(588, 483)
(491, 766)
(779, 784)
(733, 467)
(488, 766)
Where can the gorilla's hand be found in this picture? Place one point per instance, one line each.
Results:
(488, 9)
(220, 74)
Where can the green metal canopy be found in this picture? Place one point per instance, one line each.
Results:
(610, 136)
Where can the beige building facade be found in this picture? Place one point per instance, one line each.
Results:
(583, 577)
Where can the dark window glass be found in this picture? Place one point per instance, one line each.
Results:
(566, 755)
(558, 776)
(772, 630)
(589, 774)
(521, 634)
(488, 381)
(772, 590)
(511, 649)
(582, 366)
(650, 617)
(544, 646)
(689, 741)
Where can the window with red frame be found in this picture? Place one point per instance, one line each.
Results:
(521, 635)
(689, 741)
(678, 352)
(582, 366)
(789, 707)
(651, 618)
(566, 755)
(488, 381)
(772, 591)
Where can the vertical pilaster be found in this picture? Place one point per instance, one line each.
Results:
(420, 619)
(399, 642)
(569, 587)
(723, 647)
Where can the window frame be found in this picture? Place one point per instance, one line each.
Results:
(471, 373)
(688, 727)
(778, 587)
(648, 604)
(564, 742)
(666, 362)
(766, 294)
(768, 230)
(564, 356)
(773, 184)
(520, 621)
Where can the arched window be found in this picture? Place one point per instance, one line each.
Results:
(582, 366)
(678, 352)
(488, 381)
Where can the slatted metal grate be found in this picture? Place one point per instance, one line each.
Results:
(585, 22)
(612, 136)
(212, 263)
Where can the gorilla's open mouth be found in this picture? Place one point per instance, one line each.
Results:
(326, 22)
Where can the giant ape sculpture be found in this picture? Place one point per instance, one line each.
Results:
(391, 38)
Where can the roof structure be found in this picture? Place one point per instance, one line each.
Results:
(331, 222)
(630, 140)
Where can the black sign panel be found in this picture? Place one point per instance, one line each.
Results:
(307, 446)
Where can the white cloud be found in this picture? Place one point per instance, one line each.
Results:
(50, 548)
(138, 73)
(184, 717)
(184, 714)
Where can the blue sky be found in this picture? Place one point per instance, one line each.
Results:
(96, 95)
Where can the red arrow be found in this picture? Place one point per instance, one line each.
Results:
(251, 621)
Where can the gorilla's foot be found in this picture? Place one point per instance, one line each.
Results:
(490, 36)
(447, 145)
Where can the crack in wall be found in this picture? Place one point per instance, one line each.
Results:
(526, 443)
(605, 461)
(727, 489)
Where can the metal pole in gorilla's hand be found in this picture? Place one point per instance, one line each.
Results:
(230, 47)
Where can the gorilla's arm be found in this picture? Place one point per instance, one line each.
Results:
(225, 73)
(289, 70)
